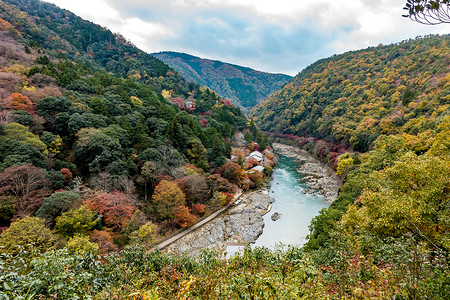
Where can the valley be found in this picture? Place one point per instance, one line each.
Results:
(107, 151)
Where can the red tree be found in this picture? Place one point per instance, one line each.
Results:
(198, 209)
(20, 102)
(231, 171)
(183, 217)
(28, 185)
(67, 174)
(115, 207)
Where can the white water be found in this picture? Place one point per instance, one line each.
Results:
(297, 209)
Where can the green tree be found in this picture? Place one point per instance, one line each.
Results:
(81, 244)
(145, 234)
(76, 222)
(196, 152)
(56, 204)
(411, 196)
(20, 133)
(148, 176)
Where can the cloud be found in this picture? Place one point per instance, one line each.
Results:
(275, 36)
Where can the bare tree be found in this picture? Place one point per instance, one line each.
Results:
(28, 185)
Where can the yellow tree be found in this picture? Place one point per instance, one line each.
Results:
(167, 197)
(409, 197)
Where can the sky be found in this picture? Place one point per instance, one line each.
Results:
(278, 36)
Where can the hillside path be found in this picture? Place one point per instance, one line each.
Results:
(171, 240)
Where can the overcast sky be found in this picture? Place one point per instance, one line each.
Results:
(278, 36)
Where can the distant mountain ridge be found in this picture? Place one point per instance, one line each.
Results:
(244, 86)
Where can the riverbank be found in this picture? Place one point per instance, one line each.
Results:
(241, 224)
(318, 177)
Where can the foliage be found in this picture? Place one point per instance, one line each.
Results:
(255, 177)
(25, 234)
(104, 241)
(183, 216)
(75, 222)
(195, 188)
(56, 204)
(27, 184)
(145, 234)
(357, 96)
(409, 197)
(20, 133)
(428, 12)
(115, 207)
(167, 197)
(81, 244)
(6, 209)
(198, 209)
(232, 172)
(244, 86)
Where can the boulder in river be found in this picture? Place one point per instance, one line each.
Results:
(275, 216)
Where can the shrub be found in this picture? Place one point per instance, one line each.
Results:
(81, 244)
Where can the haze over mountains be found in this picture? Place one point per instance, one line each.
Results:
(244, 86)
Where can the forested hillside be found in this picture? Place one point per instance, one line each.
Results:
(105, 150)
(359, 95)
(381, 117)
(99, 141)
(244, 86)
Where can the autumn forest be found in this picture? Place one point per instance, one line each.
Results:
(106, 151)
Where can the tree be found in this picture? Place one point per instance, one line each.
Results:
(20, 133)
(217, 183)
(194, 188)
(27, 184)
(183, 216)
(409, 197)
(76, 222)
(148, 176)
(115, 207)
(196, 152)
(67, 175)
(104, 240)
(14, 153)
(56, 204)
(428, 12)
(167, 197)
(20, 102)
(231, 171)
(145, 234)
(28, 233)
(255, 177)
(81, 244)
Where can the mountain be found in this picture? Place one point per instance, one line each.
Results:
(357, 96)
(77, 100)
(244, 86)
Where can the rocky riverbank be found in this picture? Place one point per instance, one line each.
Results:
(319, 178)
(239, 225)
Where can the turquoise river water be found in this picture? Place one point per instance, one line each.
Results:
(296, 208)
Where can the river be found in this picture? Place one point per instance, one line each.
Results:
(297, 209)
(245, 222)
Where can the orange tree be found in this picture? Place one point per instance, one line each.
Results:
(166, 198)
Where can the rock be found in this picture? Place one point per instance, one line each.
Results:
(242, 222)
(275, 216)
